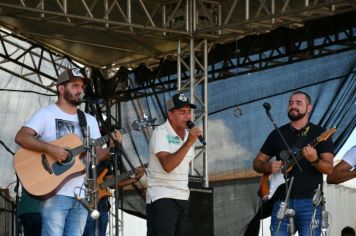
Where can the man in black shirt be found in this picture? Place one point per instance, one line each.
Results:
(314, 162)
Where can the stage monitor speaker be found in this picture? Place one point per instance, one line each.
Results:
(200, 220)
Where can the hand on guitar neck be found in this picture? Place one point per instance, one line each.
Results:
(139, 171)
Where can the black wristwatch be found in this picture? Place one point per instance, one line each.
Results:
(314, 163)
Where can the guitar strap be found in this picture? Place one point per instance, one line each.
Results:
(301, 139)
(82, 122)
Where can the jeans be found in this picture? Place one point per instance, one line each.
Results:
(102, 223)
(303, 214)
(167, 217)
(63, 215)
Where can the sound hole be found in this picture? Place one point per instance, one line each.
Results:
(68, 160)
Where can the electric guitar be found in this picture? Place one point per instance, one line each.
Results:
(42, 176)
(103, 186)
(270, 182)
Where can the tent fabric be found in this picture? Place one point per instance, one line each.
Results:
(233, 138)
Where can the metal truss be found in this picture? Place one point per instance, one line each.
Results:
(248, 56)
(34, 63)
(40, 66)
(197, 85)
(258, 58)
(223, 20)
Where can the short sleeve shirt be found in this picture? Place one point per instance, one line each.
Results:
(50, 124)
(160, 183)
(350, 157)
(307, 180)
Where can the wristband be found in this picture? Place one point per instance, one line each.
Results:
(314, 163)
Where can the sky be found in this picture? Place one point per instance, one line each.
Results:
(351, 141)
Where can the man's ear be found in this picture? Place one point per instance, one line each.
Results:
(309, 108)
(60, 88)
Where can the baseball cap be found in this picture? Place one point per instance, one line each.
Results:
(72, 75)
(178, 101)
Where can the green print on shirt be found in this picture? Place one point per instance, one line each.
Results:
(173, 139)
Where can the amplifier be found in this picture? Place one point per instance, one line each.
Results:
(195, 181)
(200, 220)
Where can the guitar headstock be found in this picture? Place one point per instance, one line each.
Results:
(325, 135)
(143, 123)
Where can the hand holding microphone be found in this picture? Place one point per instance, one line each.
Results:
(191, 125)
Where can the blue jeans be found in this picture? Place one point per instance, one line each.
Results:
(102, 223)
(63, 215)
(303, 214)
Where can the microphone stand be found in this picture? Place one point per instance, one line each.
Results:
(283, 207)
(316, 202)
(319, 200)
(285, 211)
(91, 175)
(118, 149)
(290, 152)
(324, 217)
(117, 158)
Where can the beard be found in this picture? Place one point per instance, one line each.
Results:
(295, 117)
(71, 99)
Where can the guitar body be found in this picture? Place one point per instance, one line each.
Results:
(269, 184)
(102, 191)
(40, 174)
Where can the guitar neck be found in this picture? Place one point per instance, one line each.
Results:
(112, 182)
(82, 148)
(123, 176)
(300, 154)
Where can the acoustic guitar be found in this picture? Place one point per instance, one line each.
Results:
(270, 182)
(42, 176)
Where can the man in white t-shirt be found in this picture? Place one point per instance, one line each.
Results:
(171, 151)
(345, 169)
(61, 214)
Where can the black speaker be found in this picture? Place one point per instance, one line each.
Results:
(200, 220)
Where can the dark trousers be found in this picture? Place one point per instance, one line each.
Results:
(167, 217)
(32, 224)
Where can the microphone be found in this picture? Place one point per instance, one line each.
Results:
(267, 107)
(190, 125)
(282, 210)
(291, 226)
(317, 196)
(91, 99)
(324, 220)
(94, 214)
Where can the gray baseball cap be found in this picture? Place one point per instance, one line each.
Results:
(72, 75)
